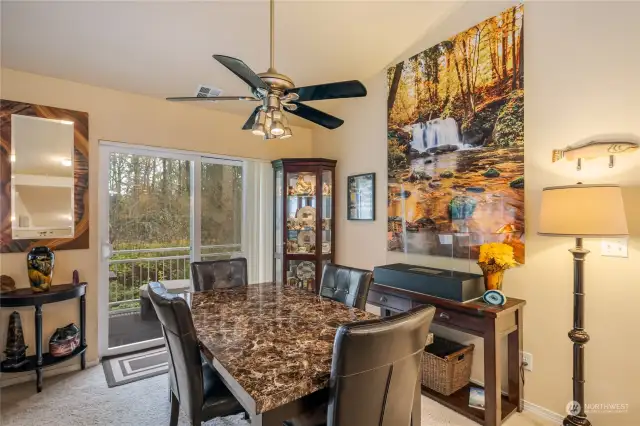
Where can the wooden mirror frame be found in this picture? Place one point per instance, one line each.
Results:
(80, 239)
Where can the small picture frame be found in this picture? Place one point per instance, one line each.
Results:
(361, 197)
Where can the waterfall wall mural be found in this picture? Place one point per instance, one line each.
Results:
(455, 141)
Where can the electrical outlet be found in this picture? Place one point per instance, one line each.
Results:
(615, 247)
(527, 361)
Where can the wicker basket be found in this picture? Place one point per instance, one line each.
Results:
(446, 365)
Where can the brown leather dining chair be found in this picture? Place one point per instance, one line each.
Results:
(211, 274)
(374, 370)
(347, 285)
(194, 385)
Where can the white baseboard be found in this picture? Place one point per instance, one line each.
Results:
(530, 407)
(10, 379)
(544, 413)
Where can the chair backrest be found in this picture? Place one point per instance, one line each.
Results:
(185, 365)
(347, 285)
(211, 274)
(375, 368)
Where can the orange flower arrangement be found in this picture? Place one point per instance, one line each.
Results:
(494, 259)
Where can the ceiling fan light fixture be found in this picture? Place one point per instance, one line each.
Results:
(287, 133)
(259, 126)
(258, 129)
(277, 129)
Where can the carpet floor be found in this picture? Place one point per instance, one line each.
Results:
(83, 399)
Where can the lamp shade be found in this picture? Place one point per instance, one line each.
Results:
(583, 211)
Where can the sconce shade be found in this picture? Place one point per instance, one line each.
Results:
(583, 211)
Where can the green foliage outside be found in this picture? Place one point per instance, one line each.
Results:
(150, 207)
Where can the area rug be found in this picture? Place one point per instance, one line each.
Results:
(123, 369)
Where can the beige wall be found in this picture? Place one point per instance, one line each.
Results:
(122, 117)
(581, 81)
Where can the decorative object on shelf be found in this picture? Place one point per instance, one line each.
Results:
(361, 198)
(306, 239)
(326, 189)
(326, 247)
(494, 259)
(494, 297)
(75, 277)
(571, 211)
(64, 341)
(432, 174)
(16, 350)
(594, 149)
(303, 187)
(476, 398)
(79, 164)
(307, 216)
(7, 284)
(40, 263)
(326, 224)
(292, 246)
(305, 270)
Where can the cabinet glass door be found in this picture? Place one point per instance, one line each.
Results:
(301, 228)
(278, 252)
(327, 200)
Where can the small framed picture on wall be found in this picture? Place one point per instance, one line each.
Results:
(361, 197)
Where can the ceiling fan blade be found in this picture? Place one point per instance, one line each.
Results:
(213, 98)
(243, 71)
(252, 118)
(317, 116)
(342, 89)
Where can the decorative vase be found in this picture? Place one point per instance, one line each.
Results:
(40, 262)
(64, 341)
(493, 280)
(16, 350)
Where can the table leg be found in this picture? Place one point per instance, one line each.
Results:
(270, 418)
(39, 347)
(416, 412)
(83, 333)
(492, 383)
(514, 364)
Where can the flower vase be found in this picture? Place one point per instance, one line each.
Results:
(493, 280)
(40, 262)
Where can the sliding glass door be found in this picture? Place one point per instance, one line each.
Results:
(160, 210)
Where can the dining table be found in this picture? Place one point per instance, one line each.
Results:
(272, 346)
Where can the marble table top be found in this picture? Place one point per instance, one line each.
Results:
(275, 341)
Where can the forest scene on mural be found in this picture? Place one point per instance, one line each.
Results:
(456, 142)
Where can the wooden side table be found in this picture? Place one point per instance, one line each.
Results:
(57, 293)
(482, 320)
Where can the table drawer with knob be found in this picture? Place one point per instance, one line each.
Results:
(457, 319)
(389, 301)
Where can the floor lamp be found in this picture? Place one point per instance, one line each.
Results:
(581, 211)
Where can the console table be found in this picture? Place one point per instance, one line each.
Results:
(57, 293)
(482, 320)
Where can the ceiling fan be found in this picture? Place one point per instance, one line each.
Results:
(277, 94)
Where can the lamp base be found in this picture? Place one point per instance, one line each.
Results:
(575, 421)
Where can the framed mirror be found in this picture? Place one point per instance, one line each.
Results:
(41, 178)
(44, 177)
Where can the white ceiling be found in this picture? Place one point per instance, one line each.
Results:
(164, 48)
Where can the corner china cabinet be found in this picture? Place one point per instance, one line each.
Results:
(304, 212)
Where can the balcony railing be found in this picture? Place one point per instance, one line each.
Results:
(131, 269)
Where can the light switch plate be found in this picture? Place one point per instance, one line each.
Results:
(614, 247)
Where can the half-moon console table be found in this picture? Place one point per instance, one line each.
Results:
(57, 293)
